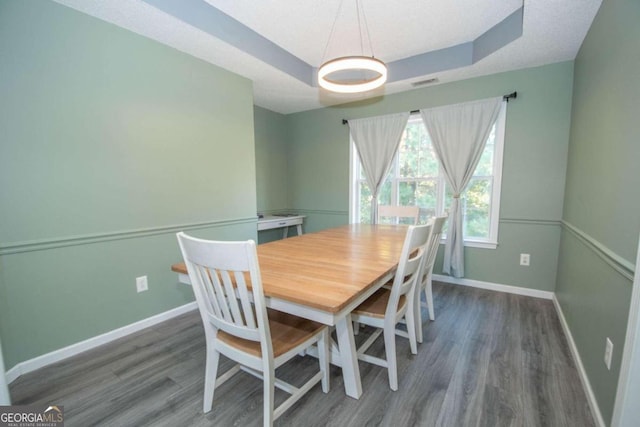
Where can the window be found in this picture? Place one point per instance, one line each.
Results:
(415, 179)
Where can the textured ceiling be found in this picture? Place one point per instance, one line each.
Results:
(398, 29)
(552, 31)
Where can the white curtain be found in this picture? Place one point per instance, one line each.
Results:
(459, 133)
(377, 140)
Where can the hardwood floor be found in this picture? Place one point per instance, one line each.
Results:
(489, 359)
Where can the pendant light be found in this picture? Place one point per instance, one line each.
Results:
(354, 73)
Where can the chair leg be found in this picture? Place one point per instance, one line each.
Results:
(390, 350)
(210, 375)
(418, 316)
(411, 326)
(268, 393)
(323, 359)
(356, 328)
(429, 293)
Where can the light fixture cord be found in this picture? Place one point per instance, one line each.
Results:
(324, 54)
(360, 28)
(366, 27)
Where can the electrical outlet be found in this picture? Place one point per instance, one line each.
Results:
(608, 352)
(525, 259)
(141, 283)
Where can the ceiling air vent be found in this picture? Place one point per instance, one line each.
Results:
(424, 82)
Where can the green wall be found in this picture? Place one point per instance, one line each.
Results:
(271, 139)
(272, 143)
(109, 144)
(535, 156)
(601, 209)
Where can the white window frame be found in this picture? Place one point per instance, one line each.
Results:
(490, 242)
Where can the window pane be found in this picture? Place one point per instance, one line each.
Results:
(485, 165)
(429, 166)
(384, 198)
(362, 176)
(365, 203)
(416, 156)
(407, 193)
(476, 209)
(423, 193)
(448, 197)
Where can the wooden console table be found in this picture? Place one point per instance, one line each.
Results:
(281, 221)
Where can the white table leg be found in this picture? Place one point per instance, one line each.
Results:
(285, 232)
(350, 369)
(299, 227)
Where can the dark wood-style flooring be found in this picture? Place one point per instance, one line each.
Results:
(489, 359)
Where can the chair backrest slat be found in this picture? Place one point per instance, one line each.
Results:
(245, 300)
(397, 212)
(226, 280)
(437, 225)
(232, 301)
(411, 259)
(210, 300)
(220, 294)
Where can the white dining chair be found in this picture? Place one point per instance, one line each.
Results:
(412, 213)
(387, 307)
(424, 283)
(226, 279)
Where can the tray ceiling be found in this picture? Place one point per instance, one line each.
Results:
(278, 44)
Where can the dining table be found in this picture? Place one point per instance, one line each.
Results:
(324, 275)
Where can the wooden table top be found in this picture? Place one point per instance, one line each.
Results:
(328, 269)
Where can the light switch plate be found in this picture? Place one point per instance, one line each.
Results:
(142, 284)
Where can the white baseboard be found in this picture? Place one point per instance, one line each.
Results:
(591, 398)
(93, 342)
(494, 286)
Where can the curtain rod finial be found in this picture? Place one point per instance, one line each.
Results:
(511, 95)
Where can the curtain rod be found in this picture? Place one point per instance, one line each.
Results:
(505, 98)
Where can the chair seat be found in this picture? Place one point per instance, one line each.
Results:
(376, 304)
(287, 332)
